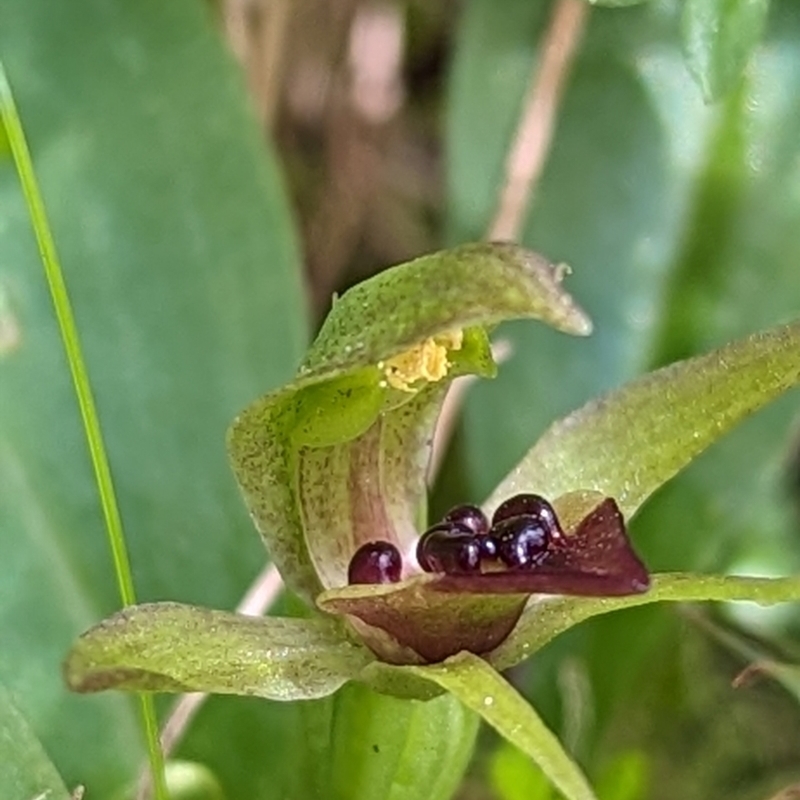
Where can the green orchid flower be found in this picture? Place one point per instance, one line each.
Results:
(337, 461)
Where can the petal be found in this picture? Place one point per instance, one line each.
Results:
(631, 441)
(547, 617)
(340, 455)
(482, 689)
(432, 617)
(169, 647)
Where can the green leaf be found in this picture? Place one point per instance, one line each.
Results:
(179, 252)
(718, 39)
(338, 457)
(479, 687)
(630, 442)
(544, 619)
(26, 772)
(273, 657)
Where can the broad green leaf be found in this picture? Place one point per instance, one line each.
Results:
(718, 38)
(630, 442)
(5, 150)
(220, 652)
(745, 212)
(479, 687)
(714, 297)
(26, 772)
(338, 457)
(179, 254)
(545, 618)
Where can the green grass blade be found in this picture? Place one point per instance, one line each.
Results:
(55, 279)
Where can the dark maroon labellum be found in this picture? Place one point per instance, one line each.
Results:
(449, 547)
(470, 517)
(528, 505)
(375, 562)
(522, 542)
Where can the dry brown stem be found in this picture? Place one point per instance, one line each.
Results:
(530, 147)
(524, 164)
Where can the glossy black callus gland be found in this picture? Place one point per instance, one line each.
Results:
(470, 517)
(449, 547)
(375, 562)
(529, 505)
(522, 541)
(474, 519)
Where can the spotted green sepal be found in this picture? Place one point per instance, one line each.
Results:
(340, 456)
(547, 617)
(471, 285)
(483, 690)
(629, 442)
(169, 647)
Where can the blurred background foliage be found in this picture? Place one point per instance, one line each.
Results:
(215, 171)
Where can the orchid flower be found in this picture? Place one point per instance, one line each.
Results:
(337, 460)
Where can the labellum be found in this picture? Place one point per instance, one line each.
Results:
(470, 595)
